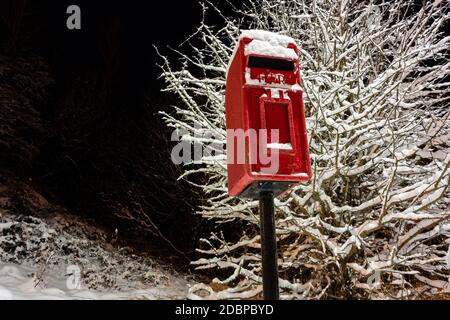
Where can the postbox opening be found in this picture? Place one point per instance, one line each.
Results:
(270, 63)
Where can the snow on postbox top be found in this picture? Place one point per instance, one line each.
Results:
(266, 127)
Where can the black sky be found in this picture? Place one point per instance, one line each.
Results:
(115, 35)
(115, 43)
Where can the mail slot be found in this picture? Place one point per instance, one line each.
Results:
(265, 118)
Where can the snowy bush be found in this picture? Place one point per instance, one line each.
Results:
(374, 221)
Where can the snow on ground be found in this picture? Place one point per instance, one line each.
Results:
(57, 259)
(17, 283)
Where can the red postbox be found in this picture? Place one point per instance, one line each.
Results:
(265, 115)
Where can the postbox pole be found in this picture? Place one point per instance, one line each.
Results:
(268, 242)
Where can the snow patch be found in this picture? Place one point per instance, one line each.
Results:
(263, 48)
(267, 36)
(16, 284)
(281, 146)
(5, 225)
(37, 261)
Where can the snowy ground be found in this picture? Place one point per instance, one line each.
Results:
(17, 283)
(59, 259)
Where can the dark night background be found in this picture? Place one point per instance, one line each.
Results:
(79, 117)
(79, 122)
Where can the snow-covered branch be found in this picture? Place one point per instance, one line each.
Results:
(375, 79)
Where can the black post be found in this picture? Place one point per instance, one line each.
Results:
(268, 242)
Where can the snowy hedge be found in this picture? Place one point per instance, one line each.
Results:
(375, 219)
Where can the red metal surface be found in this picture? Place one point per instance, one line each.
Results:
(276, 104)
